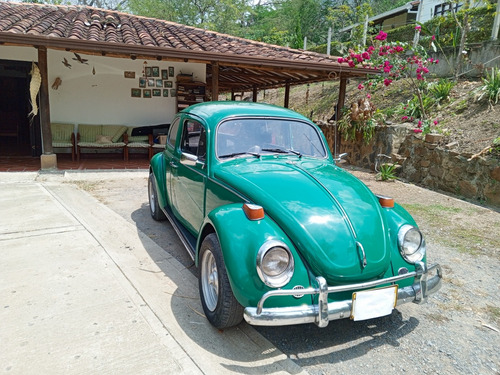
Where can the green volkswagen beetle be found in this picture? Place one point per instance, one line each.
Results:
(279, 233)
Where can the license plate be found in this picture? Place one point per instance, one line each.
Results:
(369, 304)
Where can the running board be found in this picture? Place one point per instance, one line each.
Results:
(187, 239)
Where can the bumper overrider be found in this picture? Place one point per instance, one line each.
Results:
(427, 281)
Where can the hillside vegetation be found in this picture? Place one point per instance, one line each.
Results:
(470, 124)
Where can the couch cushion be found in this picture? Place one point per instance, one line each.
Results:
(89, 133)
(61, 132)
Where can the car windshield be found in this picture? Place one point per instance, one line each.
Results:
(264, 136)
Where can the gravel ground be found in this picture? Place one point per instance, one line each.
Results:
(456, 332)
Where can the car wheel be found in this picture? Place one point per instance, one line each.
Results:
(219, 304)
(154, 206)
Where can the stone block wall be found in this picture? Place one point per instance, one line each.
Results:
(424, 163)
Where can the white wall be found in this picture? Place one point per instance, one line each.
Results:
(103, 98)
(429, 5)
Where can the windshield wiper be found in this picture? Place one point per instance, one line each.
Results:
(283, 151)
(239, 153)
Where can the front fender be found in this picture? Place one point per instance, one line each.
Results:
(240, 240)
(157, 166)
(396, 218)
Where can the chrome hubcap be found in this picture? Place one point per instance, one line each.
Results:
(152, 197)
(209, 280)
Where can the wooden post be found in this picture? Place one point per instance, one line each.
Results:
(287, 94)
(341, 100)
(329, 41)
(44, 102)
(215, 81)
(254, 97)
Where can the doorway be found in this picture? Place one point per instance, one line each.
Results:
(19, 135)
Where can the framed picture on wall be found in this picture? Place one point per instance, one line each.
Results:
(136, 93)
(155, 71)
(142, 82)
(173, 93)
(146, 93)
(159, 83)
(165, 93)
(151, 82)
(168, 83)
(164, 74)
(156, 92)
(170, 71)
(147, 71)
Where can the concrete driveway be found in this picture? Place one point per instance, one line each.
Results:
(84, 291)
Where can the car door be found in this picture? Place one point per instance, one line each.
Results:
(189, 175)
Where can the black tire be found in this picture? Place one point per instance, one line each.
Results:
(219, 304)
(154, 206)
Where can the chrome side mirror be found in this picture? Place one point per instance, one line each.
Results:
(340, 157)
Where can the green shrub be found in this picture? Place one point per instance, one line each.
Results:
(441, 89)
(491, 85)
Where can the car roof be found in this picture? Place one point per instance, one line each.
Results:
(215, 112)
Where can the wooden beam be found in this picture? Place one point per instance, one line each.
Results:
(44, 102)
(215, 81)
(254, 96)
(287, 95)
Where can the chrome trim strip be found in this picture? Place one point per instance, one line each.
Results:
(322, 313)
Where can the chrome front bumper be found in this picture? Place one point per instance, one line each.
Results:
(320, 314)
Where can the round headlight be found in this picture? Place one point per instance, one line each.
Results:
(275, 264)
(411, 243)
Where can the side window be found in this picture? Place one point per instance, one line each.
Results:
(172, 134)
(194, 139)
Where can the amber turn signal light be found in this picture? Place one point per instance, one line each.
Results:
(253, 211)
(385, 202)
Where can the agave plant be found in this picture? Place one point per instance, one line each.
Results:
(491, 86)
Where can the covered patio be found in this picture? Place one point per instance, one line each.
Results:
(92, 54)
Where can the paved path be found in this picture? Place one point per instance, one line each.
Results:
(83, 291)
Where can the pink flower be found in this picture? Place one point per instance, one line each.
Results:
(435, 122)
(433, 37)
(436, 61)
(340, 60)
(381, 35)
(419, 124)
(365, 55)
(359, 58)
(351, 63)
(360, 86)
(368, 96)
(404, 118)
(417, 130)
(387, 81)
(418, 28)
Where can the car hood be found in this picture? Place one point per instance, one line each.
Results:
(333, 219)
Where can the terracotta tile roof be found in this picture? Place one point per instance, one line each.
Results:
(91, 29)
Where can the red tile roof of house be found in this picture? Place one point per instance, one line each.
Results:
(92, 30)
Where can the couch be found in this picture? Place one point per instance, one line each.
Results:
(63, 136)
(101, 137)
(141, 141)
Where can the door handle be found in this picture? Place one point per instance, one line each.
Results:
(173, 164)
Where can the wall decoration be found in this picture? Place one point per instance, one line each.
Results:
(165, 93)
(80, 59)
(142, 82)
(147, 71)
(155, 71)
(164, 74)
(129, 74)
(57, 83)
(168, 84)
(156, 92)
(159, 83)
(151, 82)
(136, 93)
(173, 92)
(170, 71)
(146, 93)
(66, 63)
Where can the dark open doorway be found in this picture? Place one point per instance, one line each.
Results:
(18, 135)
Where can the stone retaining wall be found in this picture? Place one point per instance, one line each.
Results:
(428, 164)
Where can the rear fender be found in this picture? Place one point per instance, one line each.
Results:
(240, 240)
(158, 168)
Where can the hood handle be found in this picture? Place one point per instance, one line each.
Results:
(359, 246)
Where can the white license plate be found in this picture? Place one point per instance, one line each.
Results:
(369, 304)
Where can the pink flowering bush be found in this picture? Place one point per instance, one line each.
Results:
(390, 62)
